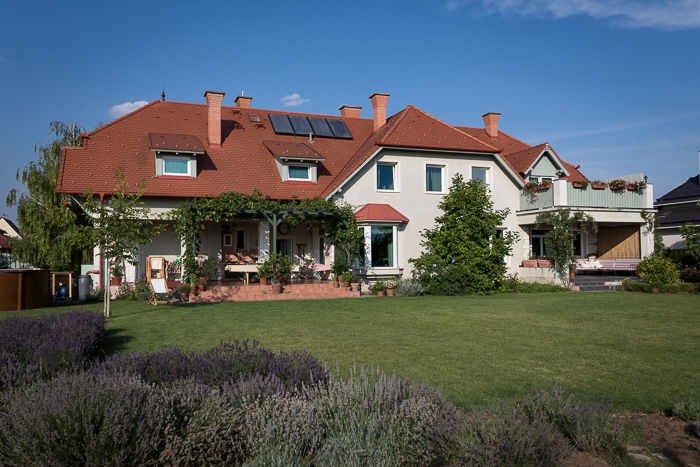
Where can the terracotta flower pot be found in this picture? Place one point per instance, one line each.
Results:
(544, 263)
(116, 281)
(529, 263)
(598, 186)
(263, 281)
(390, 292)
(277, 288)
(355, 286)
(346, 285)
(578, 185)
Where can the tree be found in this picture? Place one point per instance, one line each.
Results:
(465, 243)
(560, 240)
(50, 230)
(691, 236)
(118, 225)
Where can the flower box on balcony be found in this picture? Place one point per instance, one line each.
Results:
(636, 186)
(579, 185)
(529, 263)
(531, 187)
(598, 186)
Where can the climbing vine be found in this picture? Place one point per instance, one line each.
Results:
(190, 216)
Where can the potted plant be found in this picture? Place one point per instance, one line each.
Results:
(544, 263)
(379, 288)
(340, 266)
(200, 285)
(572, 271)
(264, 273)
(390, 287)
(598, 185)
(636, 186)
(617, 185)
(117, 274)
(278, 267)
(184, 291)
(580, 185)
(354, 283)
(346, 278)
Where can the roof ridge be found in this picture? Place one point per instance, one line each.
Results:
(445, 124)
(456, 129)
(258, 109)
(402, 114)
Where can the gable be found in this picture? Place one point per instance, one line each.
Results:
(545, 166)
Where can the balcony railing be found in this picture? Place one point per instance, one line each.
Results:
(563, 194)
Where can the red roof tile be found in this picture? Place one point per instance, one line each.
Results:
(243, 161)
(379, 212)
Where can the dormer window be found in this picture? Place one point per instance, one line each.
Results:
(300, 172)
(175, 155)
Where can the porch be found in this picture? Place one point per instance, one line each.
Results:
(232, 250)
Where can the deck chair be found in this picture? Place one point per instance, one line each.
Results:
(161, 294)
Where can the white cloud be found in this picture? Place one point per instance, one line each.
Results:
(660, 14)
(294, 99)
(124, 108)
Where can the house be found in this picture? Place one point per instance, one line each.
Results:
(393, 170)
(679, 207)
(8, 228)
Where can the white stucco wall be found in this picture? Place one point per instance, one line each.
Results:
(411, 199)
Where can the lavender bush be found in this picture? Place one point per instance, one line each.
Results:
(82, 419)
(227, 363)
(589, 425)
(506, 439)
(35, 348)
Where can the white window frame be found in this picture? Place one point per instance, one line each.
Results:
(229, 237)
(309, 177)
(486, 169)
(368, 246)
(395, 167)
(443, 178)
(175, 174)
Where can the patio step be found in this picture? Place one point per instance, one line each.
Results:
(257, 292)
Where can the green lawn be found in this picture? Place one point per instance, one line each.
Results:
(641, 350)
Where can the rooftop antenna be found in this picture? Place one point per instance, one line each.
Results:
(162, 94)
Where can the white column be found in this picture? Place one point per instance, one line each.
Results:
(263, 239)
(368, 245)
(560, 193)
(649, 196)
(395, 233)
(646, 241)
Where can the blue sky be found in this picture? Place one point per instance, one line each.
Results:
(612, 85)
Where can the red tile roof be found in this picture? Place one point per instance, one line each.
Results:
(379, 212)
(243, 161)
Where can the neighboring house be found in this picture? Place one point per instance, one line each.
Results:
(677, 208)
(394, 171)
(9, 228)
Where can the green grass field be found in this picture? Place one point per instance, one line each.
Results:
(641, 350)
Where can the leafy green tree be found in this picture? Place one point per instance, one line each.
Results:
(465, 246)
(118, 225)
(560, 240)
(50, 230)
(691, 236)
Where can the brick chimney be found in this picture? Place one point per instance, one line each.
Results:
(214, 99)
(379, 101)
(351, 111)
(491, 123)
(243, 102)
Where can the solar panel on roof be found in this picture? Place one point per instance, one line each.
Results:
(281, 124)
(301, 125)
(320, 127)
(339, 128)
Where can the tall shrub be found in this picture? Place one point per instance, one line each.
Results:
(465, 239)
(658, 269)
